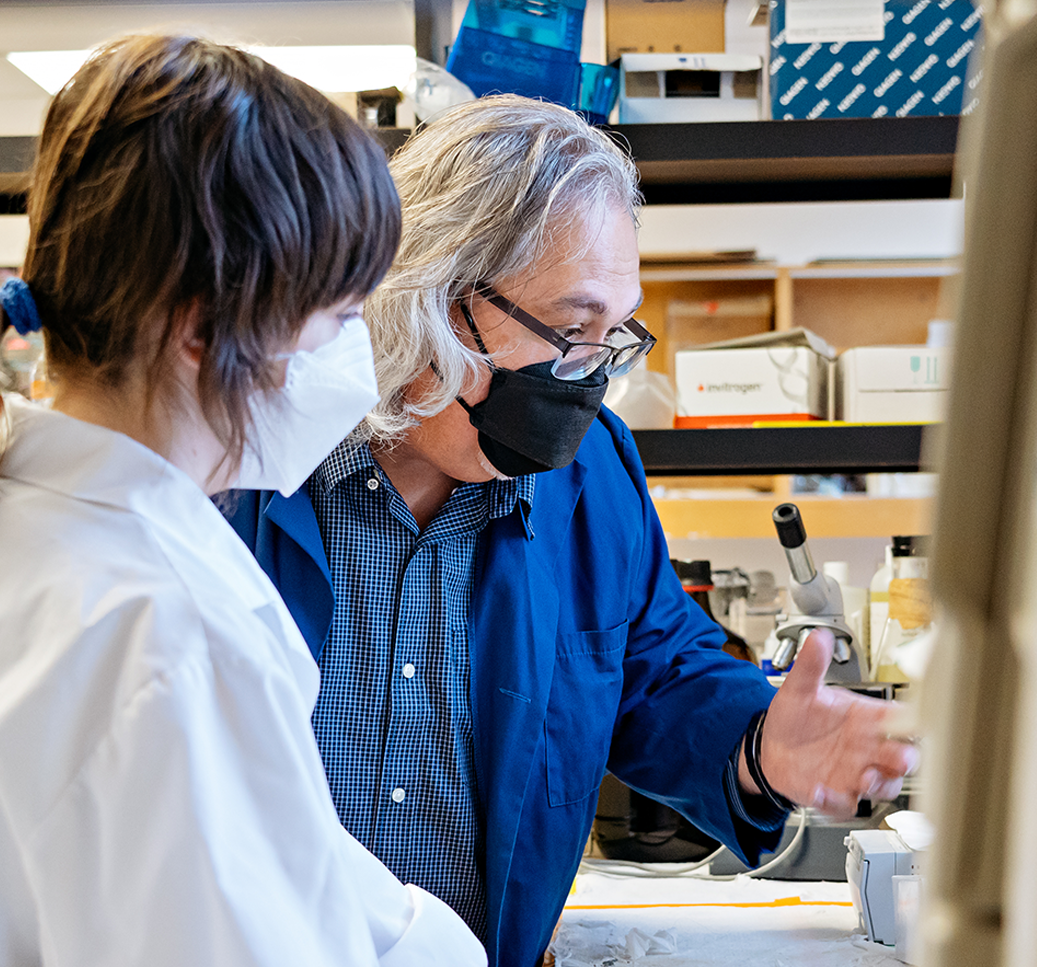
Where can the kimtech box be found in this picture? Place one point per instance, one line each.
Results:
(918, 68)
(738, 387)
(892, 384)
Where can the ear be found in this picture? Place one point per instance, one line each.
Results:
(188, 344)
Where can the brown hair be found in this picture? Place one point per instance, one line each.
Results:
(175, 175)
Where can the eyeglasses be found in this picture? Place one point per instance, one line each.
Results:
(579, 359)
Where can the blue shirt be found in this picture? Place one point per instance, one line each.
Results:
(393, 720)
(585, 653)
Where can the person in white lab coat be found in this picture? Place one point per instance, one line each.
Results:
(203, 230)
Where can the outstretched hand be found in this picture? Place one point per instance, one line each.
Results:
(827, 747)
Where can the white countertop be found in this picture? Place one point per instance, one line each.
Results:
(745, 922)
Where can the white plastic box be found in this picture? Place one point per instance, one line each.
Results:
(892, 384)
(873, 858)
(677, 88)
(738, 387)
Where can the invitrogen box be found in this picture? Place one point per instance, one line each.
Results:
(738, 387)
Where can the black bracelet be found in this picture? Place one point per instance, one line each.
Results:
(753, 746)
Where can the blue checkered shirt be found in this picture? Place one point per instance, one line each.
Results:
(393, 719)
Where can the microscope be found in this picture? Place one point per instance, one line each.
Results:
(818, 600)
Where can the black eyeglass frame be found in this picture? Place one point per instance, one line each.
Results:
(564, 346)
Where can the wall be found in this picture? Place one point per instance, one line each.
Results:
(794, 233)
(863, 555)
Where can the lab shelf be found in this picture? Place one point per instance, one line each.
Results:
(751, 161)
(850, 449)
(836, 159)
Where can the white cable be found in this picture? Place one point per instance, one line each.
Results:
(631, 868)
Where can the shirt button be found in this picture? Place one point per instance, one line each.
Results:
(408, 670)
(372, 484)
(398, 795)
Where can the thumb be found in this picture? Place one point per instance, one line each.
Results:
(811, 665)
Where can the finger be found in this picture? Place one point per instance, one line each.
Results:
(875, 785)
(902, 721)
(895, 759)
(831, 802)
(812, 661)
(887, 790)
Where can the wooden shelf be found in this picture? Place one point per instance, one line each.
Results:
(852, 515)
(855, 448)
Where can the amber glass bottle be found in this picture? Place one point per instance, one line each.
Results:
(697, 579)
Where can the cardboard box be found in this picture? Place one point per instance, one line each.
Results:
(918, 68)
(691, 323)
(737, 387)
(892, 384)
(674, 88)
(663, 26)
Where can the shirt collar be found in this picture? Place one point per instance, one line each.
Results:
(353, 455)
(350, 456)
(84, 461)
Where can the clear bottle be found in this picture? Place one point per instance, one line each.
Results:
(697, 579)
(878, 605)
(910, 607)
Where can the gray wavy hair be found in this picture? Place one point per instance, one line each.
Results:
(483, 188)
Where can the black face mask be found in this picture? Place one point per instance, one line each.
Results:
(532, 421)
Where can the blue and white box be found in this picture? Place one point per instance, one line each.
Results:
(920, 67)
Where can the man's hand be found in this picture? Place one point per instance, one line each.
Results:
(826, 747)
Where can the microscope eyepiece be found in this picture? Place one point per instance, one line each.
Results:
(789, 525)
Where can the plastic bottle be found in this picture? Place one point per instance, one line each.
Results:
(697, 579)
(642, 399)
(910, 607)
(855, 610)
(878, 608)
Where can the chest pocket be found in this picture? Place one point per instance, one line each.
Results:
(581, 711)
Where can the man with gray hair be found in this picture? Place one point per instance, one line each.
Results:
(481, 574)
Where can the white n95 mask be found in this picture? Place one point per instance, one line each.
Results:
(326, 393)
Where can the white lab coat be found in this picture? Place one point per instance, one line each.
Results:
(162, 799)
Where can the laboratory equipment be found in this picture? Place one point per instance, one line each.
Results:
(873, 858)
(818, 599)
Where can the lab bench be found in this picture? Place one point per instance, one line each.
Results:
(714, 923)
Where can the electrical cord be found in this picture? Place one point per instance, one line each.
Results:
(633, 868)
(695, 870)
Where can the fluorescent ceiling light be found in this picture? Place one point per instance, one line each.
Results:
(333, 69)
(344, 68)
(51, 69)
